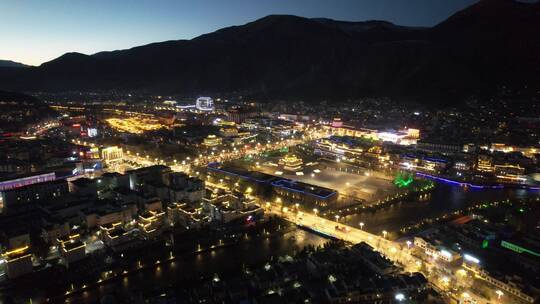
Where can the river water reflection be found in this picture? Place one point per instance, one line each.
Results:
(223, 260)
(445, 198)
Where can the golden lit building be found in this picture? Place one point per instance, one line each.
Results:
(513, 173)
(484, 163)
(114, 234)
(71, 248)
(18, 262)
(150, 222)
(413, 133)
(291, 163)
(212, 141)
(113, 153)
(228, 132)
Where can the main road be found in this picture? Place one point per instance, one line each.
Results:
(397, 252)
(400, 253)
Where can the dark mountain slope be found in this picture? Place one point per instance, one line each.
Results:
(497, 39)
(11, 64)
(475, 51)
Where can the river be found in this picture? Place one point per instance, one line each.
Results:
(443, 199)
(193, 266)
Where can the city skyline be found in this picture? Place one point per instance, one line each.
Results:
(270, 151)
(37, 33)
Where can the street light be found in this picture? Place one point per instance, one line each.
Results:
(384, 232)
(361, 225)
(408, 244)
(337, 218)
(499, 294)
(315, 211)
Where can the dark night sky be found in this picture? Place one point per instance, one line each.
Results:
(36, 31)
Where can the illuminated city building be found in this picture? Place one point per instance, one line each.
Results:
(470, 148)
(353, 132)
(114, 234)
(239, 115)
(282, 131)
(422, 163)
(462, 166)
(34, 193)
(228, 132)
(18, 262)
(150, 223)
(529, 152)
(21, 181)
(513, 173)
(334, 147)
(92, 132)
(308, 196)
(436, 252)
(186, 216)
(442, 148)
(178, 187)
(54, 229)
(71, 248)
(212, 141)
(433, 164)
(84, 186)
(139, 177)
(270, 186)
(226, 207)
(204, 104)
(109, 214)
(337, 123)
(512, 286)
(291, 162)
(111, 154)
(484, 163)
(223, 123)
(15, 237)
(413, 133)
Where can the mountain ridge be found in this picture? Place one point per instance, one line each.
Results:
(12, 64)
(291, 57)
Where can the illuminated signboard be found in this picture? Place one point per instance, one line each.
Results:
(92, 132)
(518, 249)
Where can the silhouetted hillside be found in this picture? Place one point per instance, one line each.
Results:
(11, 64)
(491, 44)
